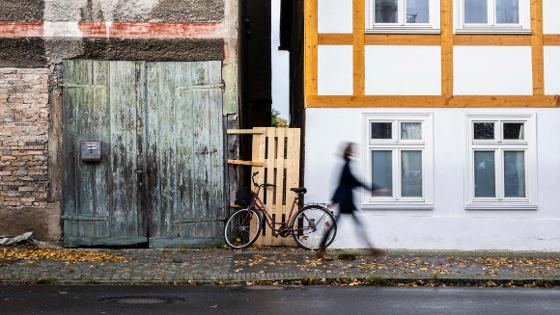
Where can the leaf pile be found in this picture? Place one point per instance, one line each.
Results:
(70, 256)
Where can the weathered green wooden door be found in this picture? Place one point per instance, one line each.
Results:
(185, 154)
(160, 180)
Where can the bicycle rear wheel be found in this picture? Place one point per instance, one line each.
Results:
(310, 224)
(243, 228)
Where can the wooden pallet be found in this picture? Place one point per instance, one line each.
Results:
(276, 156)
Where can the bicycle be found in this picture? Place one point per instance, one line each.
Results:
(307, 226)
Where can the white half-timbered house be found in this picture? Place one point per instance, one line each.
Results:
(455, 107)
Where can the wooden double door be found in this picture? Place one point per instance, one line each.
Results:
(160, 180)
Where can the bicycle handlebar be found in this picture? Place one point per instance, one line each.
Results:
(265, 185)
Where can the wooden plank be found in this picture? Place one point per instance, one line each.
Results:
(358, 30)
(335, 39)
(154, 74)
(142, 215)
(249, 163)
(216, 156)
(537, 41)
(492, 40)
(292, 171)
(278, 179)
(310, 40)
(551, 40)
(70, 159)
(268, 178)
(125, 83)
(243, 132)
(429, 39)
(446, 47)
(184, 156)
(432, 101)
(403, 39)
(258, 153)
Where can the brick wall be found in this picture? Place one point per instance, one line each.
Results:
(23, 137)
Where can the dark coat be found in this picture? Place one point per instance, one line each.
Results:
(343, 194)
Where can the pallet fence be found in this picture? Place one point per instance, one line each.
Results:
(276, 156)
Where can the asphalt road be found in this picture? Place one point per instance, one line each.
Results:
(152, 300)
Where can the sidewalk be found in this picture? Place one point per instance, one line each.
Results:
(274, 266)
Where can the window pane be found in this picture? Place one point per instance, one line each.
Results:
(484, 174)
(382, 171)
(418, 11)
(411, 173)
(514, 131)
(476, 11)
(514, 173)
(411, 131)
(386, 11)
(381, 130)
(507, 11)
(483, 131)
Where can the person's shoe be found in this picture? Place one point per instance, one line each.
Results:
(376, 252)
(323, 256)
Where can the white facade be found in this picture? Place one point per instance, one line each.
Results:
(492, 70)
(455, 203)
(449, 223)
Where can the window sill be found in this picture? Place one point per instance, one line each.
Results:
(501, 206)
(402, 30)
(397, 206)
(492, 31)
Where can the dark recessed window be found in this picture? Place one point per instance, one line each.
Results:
(484, 131)
(381, 130)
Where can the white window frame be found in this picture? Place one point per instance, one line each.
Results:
(432, 27)
(498, 146)
(523, 27)
(396, 145)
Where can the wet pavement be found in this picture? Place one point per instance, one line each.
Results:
(152, 300)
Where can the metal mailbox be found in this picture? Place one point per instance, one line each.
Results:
(90, 151)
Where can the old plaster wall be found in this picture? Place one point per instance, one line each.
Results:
(37, 35)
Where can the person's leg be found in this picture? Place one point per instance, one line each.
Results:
(323, 243)
(321, 251)
(360, 229)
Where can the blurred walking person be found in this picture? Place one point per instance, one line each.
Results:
(343, 196)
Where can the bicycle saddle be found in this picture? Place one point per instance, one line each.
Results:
(299, 190)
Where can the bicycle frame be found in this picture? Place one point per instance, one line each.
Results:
(270, 222)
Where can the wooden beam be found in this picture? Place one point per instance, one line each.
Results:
(537, 46)
(310, 40)
(435, 40)
(403, 39)
(335, 39)
(248, 163)
(552, 40)
(244, 132)
(492, 40)
(358, 49)
(433, 101)
(446, 47)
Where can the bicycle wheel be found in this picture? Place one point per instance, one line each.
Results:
(310, 224)
(243, 228)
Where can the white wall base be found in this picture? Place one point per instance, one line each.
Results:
(448, 225)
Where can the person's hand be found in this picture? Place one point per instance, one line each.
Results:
(330, 205)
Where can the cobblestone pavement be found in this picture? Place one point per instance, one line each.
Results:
(227, 266)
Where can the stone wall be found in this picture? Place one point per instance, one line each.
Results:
(23, 137)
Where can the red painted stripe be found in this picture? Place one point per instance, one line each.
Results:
(15, 29)
(120, 30)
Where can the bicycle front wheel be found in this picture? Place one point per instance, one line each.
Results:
(310, 225)
(243, 228)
